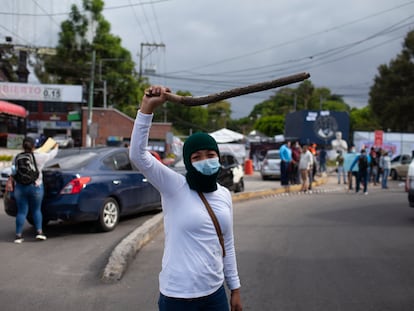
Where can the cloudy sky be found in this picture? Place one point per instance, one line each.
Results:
(214, 45)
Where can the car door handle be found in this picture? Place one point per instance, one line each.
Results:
(116, 182)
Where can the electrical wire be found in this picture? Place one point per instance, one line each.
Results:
(83, 11)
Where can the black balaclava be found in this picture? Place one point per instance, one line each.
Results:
(196, 180)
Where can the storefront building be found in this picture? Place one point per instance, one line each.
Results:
(52, 109)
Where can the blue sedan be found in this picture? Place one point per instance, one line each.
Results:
(93, 185)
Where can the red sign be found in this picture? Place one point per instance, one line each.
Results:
(378, 138)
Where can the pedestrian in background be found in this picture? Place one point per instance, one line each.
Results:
(30, 196)
(349, 158)
(322, 160)
(286, 157)
(198, 257)
(363, 162)
(374, 167)
(305, 165)
(385, 164)
(340, 167)
(295, 172)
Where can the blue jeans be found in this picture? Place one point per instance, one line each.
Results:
(341, 171)
(384, 180)
(28, 197)
(214, 302)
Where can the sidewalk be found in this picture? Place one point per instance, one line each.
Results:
(126, 250)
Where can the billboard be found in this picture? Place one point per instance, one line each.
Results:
(41, 92)
(310, 126)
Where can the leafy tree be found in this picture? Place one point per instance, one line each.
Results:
(286, 100)
(72, 62)
(271, 125)
(185, 119)
(392, 94)
(218, 115)
(363, 120)
(8, 62)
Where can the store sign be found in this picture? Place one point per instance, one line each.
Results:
(378, 138)
(41, 92)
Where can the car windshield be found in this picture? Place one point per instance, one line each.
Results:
(273, 155)
(71, 162)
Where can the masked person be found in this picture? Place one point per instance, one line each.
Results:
(195, 264)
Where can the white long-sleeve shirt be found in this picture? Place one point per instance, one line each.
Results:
(306, 160)
(193, 264)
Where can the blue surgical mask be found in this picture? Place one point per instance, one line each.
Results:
(208, 166)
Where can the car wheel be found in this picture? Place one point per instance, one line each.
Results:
(264, 177)
(109, 217)
(394, 175)
(239, 186)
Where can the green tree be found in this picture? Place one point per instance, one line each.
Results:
(392, 94)
(286, 100)
(363, 120)
(218, 115)
(185, 119)
(8, 62)
(271, 125)
(72, 62)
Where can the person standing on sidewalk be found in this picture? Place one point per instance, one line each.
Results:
(340, 167)
(30, 196)
(195, 263)
(385, 164)
(305, 165)
(349, 158)
(286, 157)
(363, 162)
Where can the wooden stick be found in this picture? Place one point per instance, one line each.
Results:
(253, 88)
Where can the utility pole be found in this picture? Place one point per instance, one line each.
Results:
(90, 102)
(141, 56)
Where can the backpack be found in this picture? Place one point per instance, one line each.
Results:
(363, 163)
(26, 168)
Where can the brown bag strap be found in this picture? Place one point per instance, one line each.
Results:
(215, 221)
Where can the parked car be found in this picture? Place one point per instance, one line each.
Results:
(93, 185)
(409, 184)
(231, 174)
(64, 141)
(4, 175)
(270, 167)
(399, 166)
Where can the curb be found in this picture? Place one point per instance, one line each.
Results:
(126, 250)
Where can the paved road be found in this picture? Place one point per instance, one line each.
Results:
(64, 272)
(331, 250)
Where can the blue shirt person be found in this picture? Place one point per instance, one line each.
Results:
(286, 157)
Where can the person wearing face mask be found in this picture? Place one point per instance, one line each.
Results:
(197, 261)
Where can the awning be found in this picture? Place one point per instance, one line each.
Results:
(226, 136)
(12, 109)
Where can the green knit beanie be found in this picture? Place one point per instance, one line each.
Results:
(196, 180)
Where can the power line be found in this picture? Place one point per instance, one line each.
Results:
(299, 39)
(83, 11)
